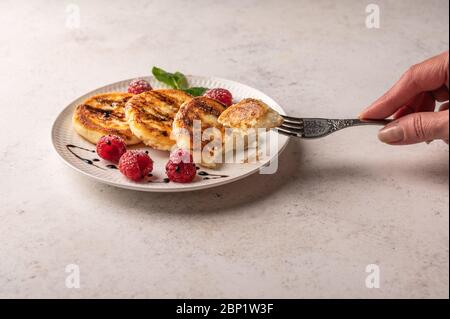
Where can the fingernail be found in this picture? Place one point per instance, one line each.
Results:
(361, 114)
(391, 134)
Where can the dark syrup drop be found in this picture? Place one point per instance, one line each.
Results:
(111, 166)
(165, 180)
(213, 176)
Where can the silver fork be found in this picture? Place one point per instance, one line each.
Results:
(317, 127)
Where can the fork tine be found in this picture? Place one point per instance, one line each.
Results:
(296, 122)
(289, 131)
(293, 122)
(295, 126)
(291, 118)
(291, 126)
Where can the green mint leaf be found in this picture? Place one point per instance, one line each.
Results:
(180, 80)
(165, 77)
(196, 91)
(175, 80)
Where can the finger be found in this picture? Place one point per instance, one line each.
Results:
(424, 102)
(405, 110)
(416, 128)
(441, 94)
(410, 107)
(443, 107)
(426, 76)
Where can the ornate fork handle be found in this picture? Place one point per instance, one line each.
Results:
(317, 127)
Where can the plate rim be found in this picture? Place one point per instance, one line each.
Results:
(161, 189)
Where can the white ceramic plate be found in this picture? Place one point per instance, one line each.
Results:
(63, 135)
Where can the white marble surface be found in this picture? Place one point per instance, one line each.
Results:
(336, 204)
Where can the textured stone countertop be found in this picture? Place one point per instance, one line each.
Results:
(335, 206)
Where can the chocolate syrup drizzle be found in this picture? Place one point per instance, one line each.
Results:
(86, 160)
(205, 175)
(209, 175)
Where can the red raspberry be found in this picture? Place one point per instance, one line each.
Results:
(138, 86)
(135, 165)
(222, 95)
(111, 147)
(180, 168)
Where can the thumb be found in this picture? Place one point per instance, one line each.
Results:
(416, 128)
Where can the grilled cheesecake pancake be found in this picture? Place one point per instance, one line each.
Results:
(103, 114)
(250, 113)
(150, 116)
(200, 113)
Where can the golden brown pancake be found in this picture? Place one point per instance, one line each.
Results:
(206, 111)
(103, 114)
(150, 116)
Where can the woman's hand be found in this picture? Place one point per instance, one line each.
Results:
(412, 101)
